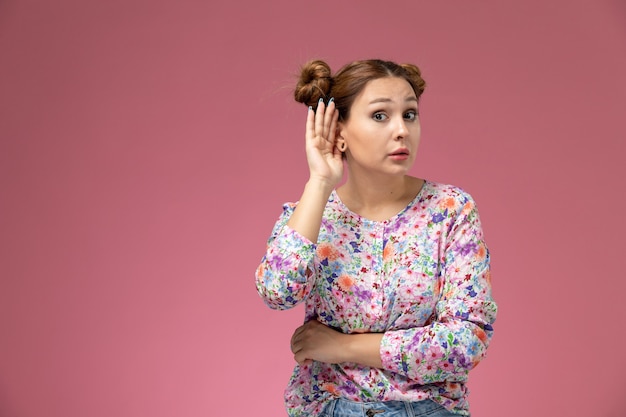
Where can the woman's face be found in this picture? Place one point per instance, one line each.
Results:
(383, 130)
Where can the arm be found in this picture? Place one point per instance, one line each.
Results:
(326, 170)
(285, 276)
(316, 341)
(458, 337)
(444, 350)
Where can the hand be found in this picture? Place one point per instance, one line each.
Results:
(316, 341)
(324, 159)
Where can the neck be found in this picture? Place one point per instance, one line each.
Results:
(378, 198)
(371, 192)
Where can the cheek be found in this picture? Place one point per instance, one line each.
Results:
(357, 137)
(417, 135)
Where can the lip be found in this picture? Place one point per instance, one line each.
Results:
(401, 153)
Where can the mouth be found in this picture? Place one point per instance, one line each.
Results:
(400, 152)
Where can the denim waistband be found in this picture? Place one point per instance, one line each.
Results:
(345, 408)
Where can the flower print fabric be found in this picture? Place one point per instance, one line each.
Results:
(422, 278)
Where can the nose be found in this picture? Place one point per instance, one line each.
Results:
(401, 130)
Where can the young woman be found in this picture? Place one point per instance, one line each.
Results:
(393, 269)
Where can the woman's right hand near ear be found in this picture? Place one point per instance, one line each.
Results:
(324, 159)
(326, 170)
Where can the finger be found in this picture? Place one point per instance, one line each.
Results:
(328, 118)
(301, 358)
(333, 125)
(310, 124)
(295, 339)
(298, 346)
(319, 117)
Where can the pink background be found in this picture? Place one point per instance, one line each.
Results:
(146, 148)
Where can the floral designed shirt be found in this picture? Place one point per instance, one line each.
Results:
(422, 278)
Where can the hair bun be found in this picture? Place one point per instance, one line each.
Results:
(314, 83)
(416, 76)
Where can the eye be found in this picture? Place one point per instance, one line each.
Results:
(410, 115)
(379, 116)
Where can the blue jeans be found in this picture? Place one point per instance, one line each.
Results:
(346, 408)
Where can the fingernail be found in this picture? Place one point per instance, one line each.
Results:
(331, 100)
(321, 100)
(310, 108)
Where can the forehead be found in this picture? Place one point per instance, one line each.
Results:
(395, 89)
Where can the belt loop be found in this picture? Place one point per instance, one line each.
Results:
(409, 409)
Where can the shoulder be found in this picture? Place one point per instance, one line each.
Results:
(448, 204)
(446, 194)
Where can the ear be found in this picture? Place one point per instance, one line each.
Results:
(339, 137)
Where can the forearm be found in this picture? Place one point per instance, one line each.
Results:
(434, 353)
(307, 218)
(316, 341)
(364, 349)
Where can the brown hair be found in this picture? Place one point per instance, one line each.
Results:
(317, 82)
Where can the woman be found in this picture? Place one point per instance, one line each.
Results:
(393, 269)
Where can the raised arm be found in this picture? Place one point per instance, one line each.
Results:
(325, 170)
(285, 276)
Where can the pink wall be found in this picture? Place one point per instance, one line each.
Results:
(146, 147)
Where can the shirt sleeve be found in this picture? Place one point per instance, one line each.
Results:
(457, 338)
(285, 275)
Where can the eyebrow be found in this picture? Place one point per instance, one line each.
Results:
(388, 100)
